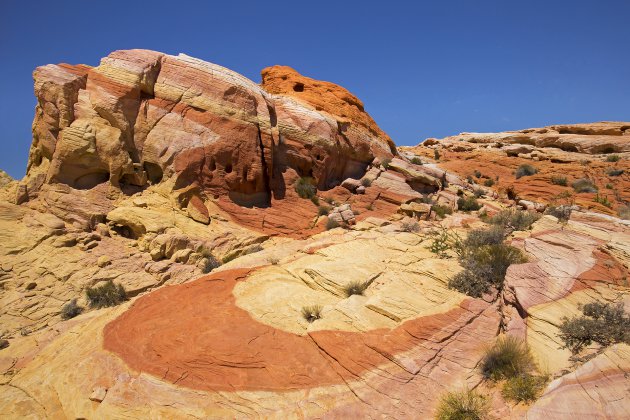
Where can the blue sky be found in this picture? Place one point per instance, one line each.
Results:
(423, 69)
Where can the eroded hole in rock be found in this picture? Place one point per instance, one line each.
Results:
(91, 180)
(154, 172)
(228, 168)
(124, 231)
(298, 87)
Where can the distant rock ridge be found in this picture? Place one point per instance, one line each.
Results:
(143, 117)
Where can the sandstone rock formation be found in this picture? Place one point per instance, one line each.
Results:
(598, 152)
(176, 179)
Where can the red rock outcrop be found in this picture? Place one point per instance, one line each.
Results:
(143, 117)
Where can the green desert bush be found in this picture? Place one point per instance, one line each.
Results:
(525, 170)
(442, 240)
(366, 182)
(441, 210)
(603, 200)
(463, 405)
(416, 160)
(477, 173)
(312, 313)
(612, 158)
(609, 186)
(71, 309)
(108, 294)
(488, 182)
(355, 287)
(515, 219)
(436, 154)
(584, 185)
(479, 192)
(468, 204)
(332, 224)
(323, 210)
(559, 180)
(602, 323)
(485, 260)
(304, 187)
(507, 358)
(615, 172)
(523, 388)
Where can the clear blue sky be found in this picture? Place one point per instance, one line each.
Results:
(423, 69)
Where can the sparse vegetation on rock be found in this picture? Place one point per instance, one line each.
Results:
(524, 387)
(304, 188)
(559, 180)
(410, 225)
(614, 172)
(312, 313)
(562, 213)
(441, 210)
(463, 405)
(507, 358)
(515, 219)
(332, 224)
(355, 287)
(584, 185)
(488, 182)
(109, 294)
(485, 260)
(525, 170)
(601, 323)
(468, 204)
(603, 200)
(70, 309)
(612, 158)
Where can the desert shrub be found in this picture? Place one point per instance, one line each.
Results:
(624, 212)
(385, 163)
(468, 204)
(559, 180)
(273, 260)
(563, 213)
(209, 262)
(484, 265)
(323, 210)
(441, 210)
(480, 237)
(614, 172)
(479, 192)
(603, 200)
(477, 173)
(507, 358)
(523, 387)
(366, 182)
(511, 193)
(612, 158)
(304, 187)
(332, 224)
(426, 199)
(436, 154)
(442, 240)
(584, 185)
(416, 160)
(525, 170)
(464, 405)
(370, 206)
(470, 179)
(312, 313)
(71, 309)
(409, 226)
(108, 294)
(609, 186)
(602, 323)
(515, 219)
(355, 287)
(488, 182)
